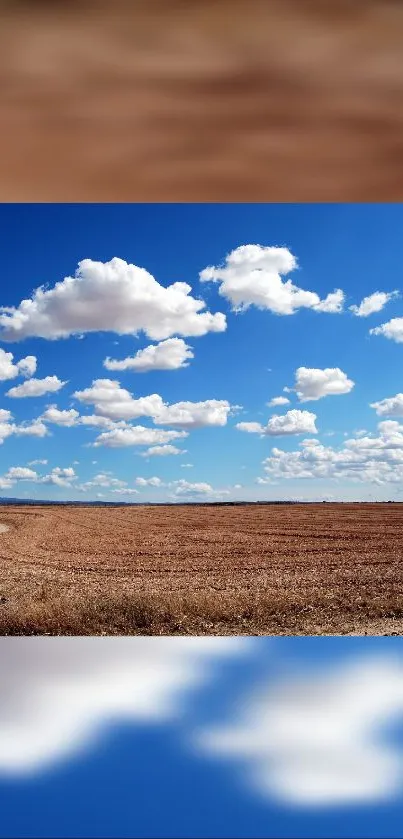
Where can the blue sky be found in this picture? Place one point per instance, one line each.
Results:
(100, 750)
(267, 324)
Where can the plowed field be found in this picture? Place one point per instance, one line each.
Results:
(301, 569)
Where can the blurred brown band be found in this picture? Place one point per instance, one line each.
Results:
(210, 100)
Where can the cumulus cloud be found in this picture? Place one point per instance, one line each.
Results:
(21, 473)
(31, 429)
(293, 422)
(162, 451)
(152, 482)
(125, 491)
(36, 387)
(390, 407)
(116, 403)
(373, 303)
(277, 401)
(198, 489)
(103, 479)
(194, 414)
(136, 435)
(376, 458)
(172, 354)
(64, 418)
(60, 477)
(313, 739)
(9, 369)
(114, 296)
(76, 686)
(312, 383)
(252, 276)
(393, 330)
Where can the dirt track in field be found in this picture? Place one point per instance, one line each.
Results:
(304, 569)
(201, 100)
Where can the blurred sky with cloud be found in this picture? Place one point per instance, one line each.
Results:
(158, 777)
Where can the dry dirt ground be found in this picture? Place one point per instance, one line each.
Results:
(201, 100)
(303, 569)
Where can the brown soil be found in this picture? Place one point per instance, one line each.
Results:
(304, 569)
(203, 100)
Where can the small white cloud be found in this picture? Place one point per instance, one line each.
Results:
(172, 354)
(21, 473)
(252, 276)
(312, 383)
(162, 451)
(9, 369)
(64, 418)
(152, 482)
(197, 489)
(393, 330)
(136, 435)
(186, 465)
(373, 303)
(37, 463)
(390, 407)
(31, 429)
(113, 402)
(36, 387)
(293, 422)
(277, 401)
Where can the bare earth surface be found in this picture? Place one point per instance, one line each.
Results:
(201, 100)
(303, 569)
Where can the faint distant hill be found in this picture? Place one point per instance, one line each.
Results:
(32, 502)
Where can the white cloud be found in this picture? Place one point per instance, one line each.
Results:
(10, 369)
(115, 402)
(136, 435)
(186, 465)
(162, 451)
(314, 739)
(31, 429)
(194, 414)
(37, 463)
(36, 387)
(250, 427)
(125, 491)
(103, 479)
(76, 686)
(184, 488)
(373, 303)
(376, 459)
(390, 407)
(112, 401)
(277, 401)
(252, 275)
(152, 482)
(8, 427)
(95, 421)
(393, 330)
(21, 473)
(64, 418)
(293, 422)
(5, 416)
(312, 383)
(60, 477)
(172, 354)
(115, 297)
